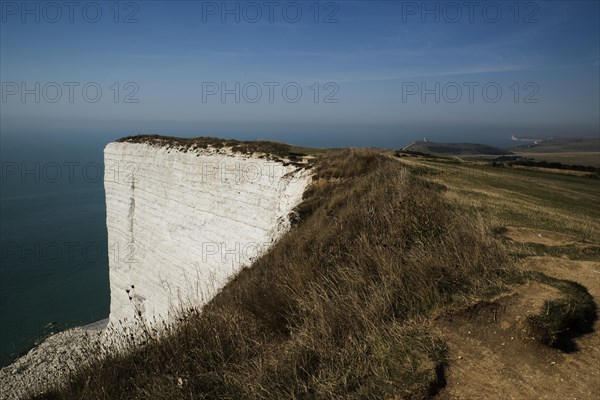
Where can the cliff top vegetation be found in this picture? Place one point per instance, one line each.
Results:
(341, 306)
(277, 150)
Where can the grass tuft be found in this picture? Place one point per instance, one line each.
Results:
(563, 319)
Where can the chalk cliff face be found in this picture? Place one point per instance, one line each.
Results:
(181, 222)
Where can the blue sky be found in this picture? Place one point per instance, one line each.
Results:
(369, 57)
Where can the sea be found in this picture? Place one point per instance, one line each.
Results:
(53, 240)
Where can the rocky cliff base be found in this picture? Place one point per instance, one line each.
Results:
(50, 362)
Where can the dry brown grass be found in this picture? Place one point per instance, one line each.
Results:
(333, 310)
(268, 149)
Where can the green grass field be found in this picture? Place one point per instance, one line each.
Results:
(567, 157)
(520, 197)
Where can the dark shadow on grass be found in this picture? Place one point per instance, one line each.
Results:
(563, 320)
(565, 341)
(439, 383)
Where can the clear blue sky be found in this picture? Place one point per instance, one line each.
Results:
(373, 54)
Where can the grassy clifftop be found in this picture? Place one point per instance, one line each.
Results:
(456, 149)
(276, 150)
(334, 310)
(399, 277)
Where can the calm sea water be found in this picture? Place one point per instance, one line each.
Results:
(53, 247)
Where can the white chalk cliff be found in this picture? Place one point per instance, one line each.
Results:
(182, 222)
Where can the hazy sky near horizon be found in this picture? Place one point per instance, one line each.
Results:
(378, 73)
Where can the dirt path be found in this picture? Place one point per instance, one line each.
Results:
(548, 238)
(491, 356)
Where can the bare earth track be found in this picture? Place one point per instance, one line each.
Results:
(491, 355)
